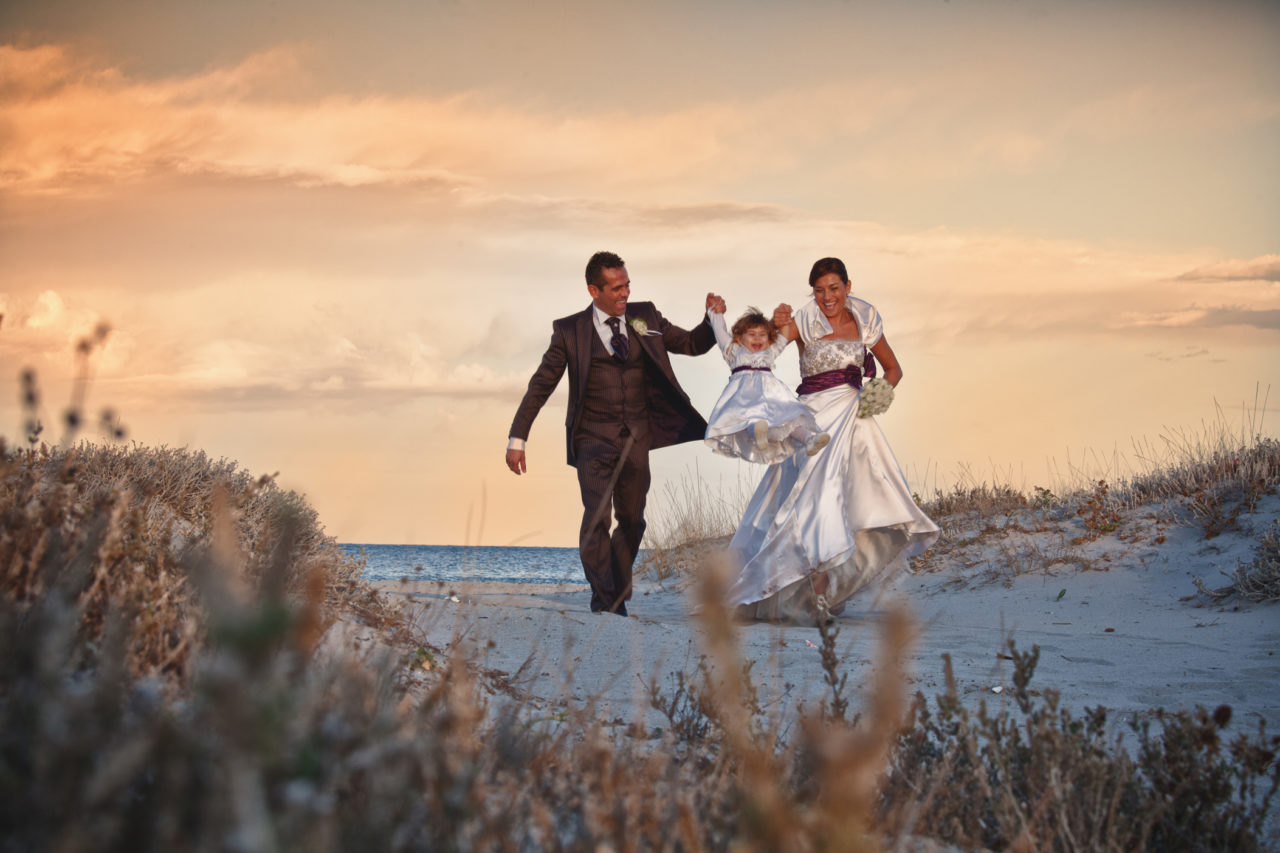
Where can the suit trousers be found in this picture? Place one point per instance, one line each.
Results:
(607, 558)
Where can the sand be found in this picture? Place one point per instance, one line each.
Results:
(1118, 620)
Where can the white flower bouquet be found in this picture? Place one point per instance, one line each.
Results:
(877, 394)
(641, 327)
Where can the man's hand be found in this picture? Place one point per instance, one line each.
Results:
(515, 461)
(715, 303)
(781, 315)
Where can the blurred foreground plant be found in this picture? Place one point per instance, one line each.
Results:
(175, 674)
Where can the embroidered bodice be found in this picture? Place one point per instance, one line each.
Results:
(820, 356)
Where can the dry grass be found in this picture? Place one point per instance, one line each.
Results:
(122, 528)
(160, 688)
(690, 519)
(1212, 483)
(1035, 777)
(1259, 579)
(249, 740)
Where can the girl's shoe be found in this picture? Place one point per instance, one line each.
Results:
(816, 442)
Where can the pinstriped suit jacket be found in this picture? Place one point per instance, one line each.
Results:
(672, 418)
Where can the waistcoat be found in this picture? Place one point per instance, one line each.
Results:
(614, 395)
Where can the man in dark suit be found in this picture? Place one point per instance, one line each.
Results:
(624, 400)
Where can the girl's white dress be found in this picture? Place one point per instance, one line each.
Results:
(754, 395)
(846, 512)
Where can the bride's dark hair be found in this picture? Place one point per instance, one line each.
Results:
(825, 266)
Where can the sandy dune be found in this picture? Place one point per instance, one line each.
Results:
(1118, 620)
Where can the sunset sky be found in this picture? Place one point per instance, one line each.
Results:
(330, 237)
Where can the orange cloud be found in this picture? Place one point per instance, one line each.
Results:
(1262, 268)
(72, 124)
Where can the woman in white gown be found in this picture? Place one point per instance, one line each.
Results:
(820, 528)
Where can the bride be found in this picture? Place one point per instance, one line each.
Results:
(820, 528)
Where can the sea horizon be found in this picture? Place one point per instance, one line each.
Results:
(500, 563)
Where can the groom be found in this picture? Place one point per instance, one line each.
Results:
(624, 400)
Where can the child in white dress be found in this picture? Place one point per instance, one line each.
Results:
(757, 418)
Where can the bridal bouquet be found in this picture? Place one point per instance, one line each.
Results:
(877, 394)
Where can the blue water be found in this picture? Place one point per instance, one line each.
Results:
(469, 563)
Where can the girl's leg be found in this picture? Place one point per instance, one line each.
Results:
(812, 441)
(761, 431)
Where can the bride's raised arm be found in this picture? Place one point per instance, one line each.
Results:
(783, 323)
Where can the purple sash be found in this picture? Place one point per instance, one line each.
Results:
(850, 375)
(746, 367)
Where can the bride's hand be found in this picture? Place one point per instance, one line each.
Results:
(781, 315)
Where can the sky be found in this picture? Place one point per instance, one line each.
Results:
(329, 238)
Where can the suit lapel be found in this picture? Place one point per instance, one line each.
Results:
(653, 346)
(649, 343)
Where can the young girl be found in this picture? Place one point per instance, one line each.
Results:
(757, 418)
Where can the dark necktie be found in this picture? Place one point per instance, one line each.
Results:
(621, 346)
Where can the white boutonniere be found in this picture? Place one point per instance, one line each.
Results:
(641, 327)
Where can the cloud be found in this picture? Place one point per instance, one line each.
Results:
(372, 217)
(1143, 109)
(1267, 319)
(46, 311)
(324, 369)
(1189, 351)
(71, 124)
(45, 328)
(1262, 268)
(332, 392)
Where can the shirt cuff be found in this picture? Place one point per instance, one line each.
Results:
(514, 443)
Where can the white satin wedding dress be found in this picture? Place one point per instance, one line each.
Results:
(846, 512)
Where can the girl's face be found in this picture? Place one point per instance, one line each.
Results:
(830, 292)
(755, 339)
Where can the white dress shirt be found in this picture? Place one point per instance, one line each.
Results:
(604, 330)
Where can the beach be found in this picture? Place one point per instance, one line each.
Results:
(288, 702)
(1118, 619)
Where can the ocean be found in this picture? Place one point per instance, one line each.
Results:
(469, 563)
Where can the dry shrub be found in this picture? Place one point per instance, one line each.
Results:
(1038, 778)
(270, 747)
(1259, 579)
(116, 525)
(263, 744)
(1213, 482)
(691, 519)
(974, 499)
(247, 739)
